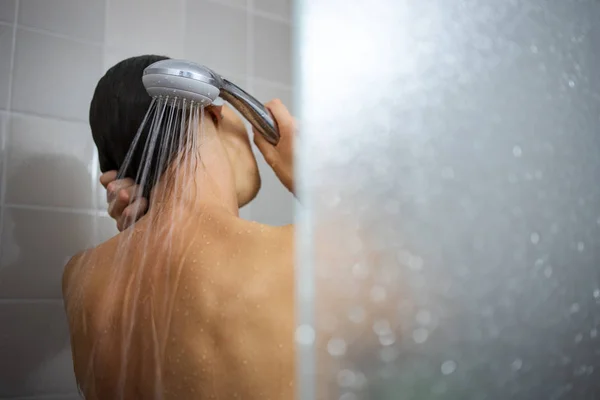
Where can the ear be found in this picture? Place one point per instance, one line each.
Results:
(216, 112)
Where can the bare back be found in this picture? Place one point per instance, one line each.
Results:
(204, 310)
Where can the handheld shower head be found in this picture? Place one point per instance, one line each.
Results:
(183, 80)
(180, 79)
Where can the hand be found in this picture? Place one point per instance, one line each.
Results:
(280, 157)
(125, 204)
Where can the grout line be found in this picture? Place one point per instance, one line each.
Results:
(47, 116)
(7, 118)
(30, 301)
(254, 11)
(57, 35)
(66, 210)
(272, 17)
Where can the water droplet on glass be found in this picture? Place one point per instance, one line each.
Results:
(378, 294)
(533, 49)
(336, 347)
(571, 83)
(348, 396)
(387, 339)
(420, 335)
(517, 151)
(580, 246)
(448, 367)
(594, 333)
(548, 272)
(360, 271)
(415, 263)
(535, 238)
(596, 294)
(578, 338)
(574, 308)
(382, 327)
(517, 364)
(305, 335)
(346, 378)
(356, 314)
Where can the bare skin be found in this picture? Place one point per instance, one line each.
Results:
(212, 317)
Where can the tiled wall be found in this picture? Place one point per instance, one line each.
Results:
(52, 53)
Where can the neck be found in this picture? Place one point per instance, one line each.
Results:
(202, 179)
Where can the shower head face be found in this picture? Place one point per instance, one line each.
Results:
(184, 80)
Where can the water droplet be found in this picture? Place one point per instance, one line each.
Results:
(360, 271)
(580, 246)
(345, 378)
(517, 364)
(348, 396)
(594, 333)
(382, 327)
(336, 347)
(415, 263)
(572, 83)
(378, 294)
(535, 238)
(578, 338)
(517, 151)
(574, 308)
(356, 314)
(305, 335)
(448, 367)
(533, 49)
(387, 339)
(548, 272)
(420, 335)
(596, 293)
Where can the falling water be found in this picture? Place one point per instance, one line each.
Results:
(129, 333)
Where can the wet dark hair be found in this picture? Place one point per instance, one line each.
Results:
(117, 110)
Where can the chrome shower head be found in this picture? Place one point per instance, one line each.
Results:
(199, 85)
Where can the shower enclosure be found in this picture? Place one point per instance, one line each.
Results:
(449, 235)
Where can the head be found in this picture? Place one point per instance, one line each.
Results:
(118, 108)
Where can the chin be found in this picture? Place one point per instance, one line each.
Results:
(251, 191)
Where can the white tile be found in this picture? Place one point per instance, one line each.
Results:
(54, 76)
(265, 91)
(81, 19)
(6, 42)
(7, 10)
(216, 37)
(49, 163)
(146, 26)
(272, 47)
(36, 245)
(274, 204)
(35, 350)
(280, 8)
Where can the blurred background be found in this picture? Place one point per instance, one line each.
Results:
(52, 53)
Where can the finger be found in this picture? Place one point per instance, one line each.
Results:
(120, 200)
(268, 151)
(107, 178)
(114, 187)
(285, 121)
(132, 213)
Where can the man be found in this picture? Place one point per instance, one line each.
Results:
(191, 302)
